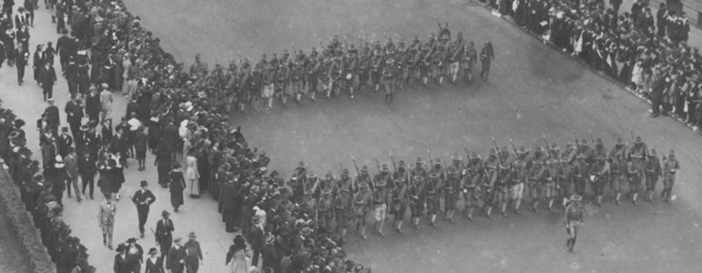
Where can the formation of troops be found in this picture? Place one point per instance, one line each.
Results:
(341, 68)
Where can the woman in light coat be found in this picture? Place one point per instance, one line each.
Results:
(191, 173)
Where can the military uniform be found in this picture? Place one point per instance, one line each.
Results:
(471, 185)
(417, 197)
(361, 205)
(325, 210)
(538, 184)
(377, 63)
(399, 200)
(617, 158)
(451, 187)
(599, 175)
(390, 74)
(652, 167)
(581, 174)
(670, 168)
(491, 165)
(342, 210)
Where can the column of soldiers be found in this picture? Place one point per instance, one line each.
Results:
(550, 175)
(339, 67)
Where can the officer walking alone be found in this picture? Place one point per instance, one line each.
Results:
(143, 199)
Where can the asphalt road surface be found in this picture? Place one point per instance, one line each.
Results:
(533, 90)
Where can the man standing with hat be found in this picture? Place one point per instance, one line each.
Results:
(52, 115)
(74, 114)
(163, 234)
(573, 220)
(93, 104)
(106, 219)
(47, 80)
(143, 199)
(193, 260)
(670, 168)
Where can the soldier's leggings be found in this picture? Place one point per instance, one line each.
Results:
(615, 183)
(450, 200)
(417, 207)
(599, 186)
(363, 78)
(312, 83)
(651, 181)
(375, 75)
(668, 182)
(634, 183)
(433, 204)
(579, 184)
(342, 219)
(400, 211)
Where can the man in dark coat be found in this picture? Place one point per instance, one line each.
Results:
(70, 72)
(170, 133)
(21, 58)
(74, 114)
(143, 199)
(51, 113)
(87, 170)
(66, 47)
(657, 94)
(92, 104)
(228, 193)
(163, 233)
(47, 79)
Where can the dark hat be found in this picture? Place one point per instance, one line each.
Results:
(385, 168)
(434, 175)
(153, 251)
(121, 247)
(165, 213)
(84, 128)
(672, 153)
(19, 123)
(363, 185)
(653, 152)
(637, 140)
(144, 183)
(576, 197)
(345, 172)
(131, 240)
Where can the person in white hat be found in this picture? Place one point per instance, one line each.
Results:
(573, 220)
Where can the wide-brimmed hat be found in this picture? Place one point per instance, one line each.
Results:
(165, 213)
(153, 251)
(121, 247)
(305, 231)
(576, 197)
(638, 140)
(270, 239)
(192, 235)
(363, 185)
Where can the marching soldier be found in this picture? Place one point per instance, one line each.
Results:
(537, 183)
(470, 57)
(455, 57)
(652, 167)
(325, 209)
(617, 158)
(638, 154)
(328, 183)
(364, 64)
(268, 79)
(336, 72)
(298, 74)
(361, 205)
(433, 190)
(438, 62)
(471, 184)
(282, 78)
(599, 175)
(457, 164)
(450, 188)
(318, 70)
(487, 56)
(244, 84)
(376, 65)
(573, 220)
(552, 178)
(345, 182)
(342, 210)
(600, 150)
(401, 57)
(519, 177)
(419, 169)
(634, 178)
(425, 63)
(417, 194)
(350, 68)
(380, 207)
(491, 165)
(502, 187)
(580, 174)
(364, 177)
(389, 78)
(399, 200)
(670, 168)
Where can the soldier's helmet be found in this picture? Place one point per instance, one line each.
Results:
(671, 154)
(520, 164)
(329, 174)
(619, 142)
(301, 164)
(419, 160)
(438, 162)
(599, 142)
(638, 140)
(364, 169)
(246, 60)
(263, 57)
(434, 175)
(456, 157)
(653, 152)
(538, 149)
(504, 167)
(583, 142)
(504, 150)
(474, 156)
(285, 52)
(197, 56)
(345, 172)
(301, 52)
(492, 153)
(523, 150)
(418, 178)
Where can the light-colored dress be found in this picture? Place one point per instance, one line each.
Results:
(192, 175)
(239, 263)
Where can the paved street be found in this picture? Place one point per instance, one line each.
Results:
(533, 90)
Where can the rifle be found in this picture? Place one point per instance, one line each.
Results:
(597, 161)
(497, 150)
(294, 50)
(377, 164)
(439, 24)
(577, 145)
(358, 173)
(394, 167)
(516, 153)
(467, 157)
(321, 45)
(431, 167)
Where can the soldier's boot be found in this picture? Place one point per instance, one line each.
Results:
(351, 91)
(599, 200)
(399, 227)
(387, 100)
(358, 228)
(380, 228)
(650, 197)
(312, 95)
(470, 214)
(504, 209)
(285, 100)
(489, 211)
(633, 199)
(391, 98)
(298, 96)
(663, 194)
(441, 80)
(270, 102)
(432, 222)
(416, 223)
(616, 199)
(104, 239)
(424, 81)
(363, 232)
(376, 87)
(516, 207)
(535, 206)
(451, 216)
(343, 233)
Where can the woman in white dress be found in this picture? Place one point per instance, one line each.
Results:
(237, 256)
(191, 174)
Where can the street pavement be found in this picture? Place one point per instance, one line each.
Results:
(533, 90)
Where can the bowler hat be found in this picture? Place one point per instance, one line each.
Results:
(144, 183)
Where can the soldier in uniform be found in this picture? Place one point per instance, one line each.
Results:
(634, 177)
(364, 177)
(399, 199)
(471, 184)
(451, 187)
(376, 64)
(364, 64)
(269, 79)
(342, 210)
(244, 84)
(537, 185)
(389, 77)
(652, 167)
(438, 62)
(350, 69)
(282, 78)
(380, 204)
(573, 220)
(487, 56)
(637, 152)
(455, 57)
(552, 178)
(519, 177)
(425, 63)
(361, 205)
(502, 187)
(670, 168)
(491, 165)
(433, 189)
(345, 182)
(580, 174)
(470, 57)
(416, 194)
(599, 175)
(325, 209)
(617, 158)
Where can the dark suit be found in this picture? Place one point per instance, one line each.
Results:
(47, 78)
(170, 133)
(657, 88)
(87, 169)
(71, 75)
(92, 106)
(74, 115)
(228, 193)
(143, 199)
(63, 142)
(118, 146)
(53, 118)
(120, 265)
(175, 256)
(164, 236)
(66, 47)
